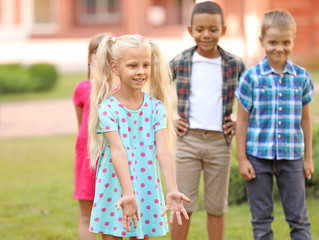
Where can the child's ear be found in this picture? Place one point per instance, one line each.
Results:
(114, 68)
(224, 30)
(261, 41)
(190, 31)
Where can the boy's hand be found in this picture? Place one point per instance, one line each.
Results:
(229, 127)
(308, 168)
(130, 209)
(174, 203)
(181, 126)
(246, 170)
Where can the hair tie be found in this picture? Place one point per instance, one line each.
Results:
(113, 40)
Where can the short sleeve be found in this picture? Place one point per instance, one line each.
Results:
(107, 120)
(244, 92)
(160, 116)
(308, 90)
(78, 95)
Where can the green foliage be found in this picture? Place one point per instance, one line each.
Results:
(15, 78)
(237, 187)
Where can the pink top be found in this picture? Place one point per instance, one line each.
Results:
(84, 176)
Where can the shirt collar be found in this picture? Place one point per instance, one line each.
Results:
(266, 69)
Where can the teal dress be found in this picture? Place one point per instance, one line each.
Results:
(137, 131)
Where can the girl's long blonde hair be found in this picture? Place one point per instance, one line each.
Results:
(103, 82)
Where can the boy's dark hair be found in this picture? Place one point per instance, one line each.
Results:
(208, 7)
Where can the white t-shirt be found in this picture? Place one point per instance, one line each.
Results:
(206, 94)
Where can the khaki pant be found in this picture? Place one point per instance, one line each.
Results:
(207, 151)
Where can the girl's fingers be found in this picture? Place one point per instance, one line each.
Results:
(134, 221)
(124, 219)
(183, 211)
(164, 211)
(178, 216)
(186, 199)
(128, 224)
(171, 217)
(137, 216)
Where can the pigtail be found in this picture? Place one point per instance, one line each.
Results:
(102, 82)
(159, 85)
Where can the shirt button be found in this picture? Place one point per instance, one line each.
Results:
(280, 81)
(279, 122)
(280, 108)
(280, 94)
(279, 136)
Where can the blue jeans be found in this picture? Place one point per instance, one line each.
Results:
(291, 185)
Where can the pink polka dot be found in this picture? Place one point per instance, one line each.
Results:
(141, 113)
(123, 120)
(109, 199)
(141, 128)
(142, 200)
(125, 135)
(129, 114)
(109, 105)
(134, 136)
(142, 169)
(147, 221)
(132, 154)
(148, 207)
(111, 100)
(113, 175)
(155, 215)
(100, 232)
(103, 209)
(145, 104)
(121, 105)
(147, 119)
(104, 113)
(130, 163)
(149, 177)
(157, 124)
(104, 170)
(143, 154)
(123, 233)
(99, 180)
(129, 129)
(156, 111)
(110, 160)
(153, 230)
(142, 184)
(150, 162)
(141, 144)
(151, 98)
(149, 192)
(164, 116)
(96, 219)
(91, 228)
(132, 177)
(120, 219)
(115, 189)
(141, 214)
(161, 223)
(112, 214)
(106, 185)
(106, 223)
(158, 180)
(135, 121)
(107, 128)
(114, 228)
(150, 147)
(101, 195)
(148, 135)
(94, 204)
(156, 201)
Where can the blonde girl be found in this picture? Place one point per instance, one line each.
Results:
(84, 176)
(132, 126)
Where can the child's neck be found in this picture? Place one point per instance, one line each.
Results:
(131, 100)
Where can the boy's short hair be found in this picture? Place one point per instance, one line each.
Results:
(277, 19)
(208, 7)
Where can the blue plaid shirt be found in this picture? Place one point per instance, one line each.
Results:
(275, 104)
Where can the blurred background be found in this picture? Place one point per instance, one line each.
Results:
(43, 56)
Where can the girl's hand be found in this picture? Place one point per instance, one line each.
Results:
(174, 203)
(130, 209)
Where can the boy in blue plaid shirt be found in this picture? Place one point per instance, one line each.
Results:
(206, 79)
(274, 133)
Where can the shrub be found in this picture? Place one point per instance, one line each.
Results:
(15, 78)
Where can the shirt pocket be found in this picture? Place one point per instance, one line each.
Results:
(291, 97)
(264, 99)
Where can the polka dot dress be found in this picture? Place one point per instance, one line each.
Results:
(137, 131)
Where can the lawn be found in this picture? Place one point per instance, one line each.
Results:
(36, 184)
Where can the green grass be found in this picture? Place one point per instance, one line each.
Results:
(36, 187)
(64, 88)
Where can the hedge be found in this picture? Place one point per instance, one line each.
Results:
(16, 78)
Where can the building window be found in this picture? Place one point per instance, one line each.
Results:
(99, 11)
(44, 16)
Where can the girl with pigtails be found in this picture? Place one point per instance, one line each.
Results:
(133, 125)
